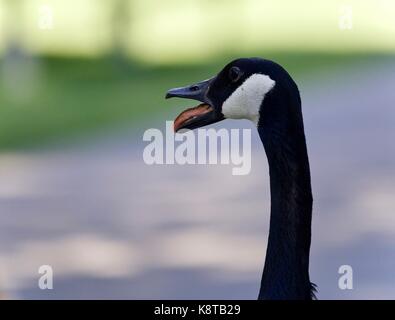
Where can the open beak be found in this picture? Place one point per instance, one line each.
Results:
(199, 116)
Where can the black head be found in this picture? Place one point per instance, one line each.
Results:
(236, 92)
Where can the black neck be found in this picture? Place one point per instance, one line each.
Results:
(285, 275)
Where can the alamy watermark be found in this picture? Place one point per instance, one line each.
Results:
(45, 281)
(345, 17)
(346, 279)
(201, 146)
(45, 17)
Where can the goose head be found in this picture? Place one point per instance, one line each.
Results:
(238, 91)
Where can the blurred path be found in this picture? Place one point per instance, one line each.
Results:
(113, 227)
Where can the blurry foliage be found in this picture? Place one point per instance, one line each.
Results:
(127, 53)
(72, 96)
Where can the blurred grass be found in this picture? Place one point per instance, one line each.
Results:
(76, 96)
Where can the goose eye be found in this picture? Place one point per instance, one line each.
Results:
(235, 73)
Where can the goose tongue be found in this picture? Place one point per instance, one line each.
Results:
(191, 115)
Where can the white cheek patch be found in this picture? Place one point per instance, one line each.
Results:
(246, 100)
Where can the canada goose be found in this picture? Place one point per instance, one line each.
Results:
(262, 91)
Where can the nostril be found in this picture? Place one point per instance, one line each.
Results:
(194, 88)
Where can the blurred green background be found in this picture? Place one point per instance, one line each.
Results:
(81, 66)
